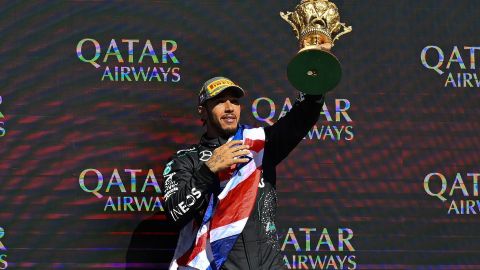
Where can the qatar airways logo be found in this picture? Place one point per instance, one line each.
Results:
(459, 192)
(319, 248)
(132, 60)
(456, 65)
(3, 131)
(336, 123)
(123, 193)
(3, 251)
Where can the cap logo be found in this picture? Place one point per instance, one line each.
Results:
(217, 85)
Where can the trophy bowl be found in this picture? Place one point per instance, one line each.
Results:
(314, 71)
(316, 24)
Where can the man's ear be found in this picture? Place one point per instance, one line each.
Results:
(202, 112)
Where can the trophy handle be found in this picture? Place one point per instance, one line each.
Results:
(344, 30)
(286, 16)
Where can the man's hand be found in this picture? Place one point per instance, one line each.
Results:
(228, 154)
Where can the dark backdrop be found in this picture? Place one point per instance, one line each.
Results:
(62, 119)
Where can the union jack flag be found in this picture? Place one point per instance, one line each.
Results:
(207, 245)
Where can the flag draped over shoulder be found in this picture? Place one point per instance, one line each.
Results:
(206, 246)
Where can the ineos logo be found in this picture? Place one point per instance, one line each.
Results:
(205, 155)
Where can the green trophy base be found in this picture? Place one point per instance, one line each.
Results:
(314, 71)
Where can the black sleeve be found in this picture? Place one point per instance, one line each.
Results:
(283, 136)
(186, 190)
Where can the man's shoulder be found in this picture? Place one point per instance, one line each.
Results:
(186, 153)
(183, 158)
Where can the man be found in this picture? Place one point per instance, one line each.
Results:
(193, 174)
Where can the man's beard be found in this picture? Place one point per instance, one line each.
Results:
(227, 133)
(224, 133)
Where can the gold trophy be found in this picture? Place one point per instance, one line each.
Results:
(316, 23)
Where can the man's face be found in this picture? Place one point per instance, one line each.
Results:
(222, 114)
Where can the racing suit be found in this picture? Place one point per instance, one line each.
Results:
(188, 184)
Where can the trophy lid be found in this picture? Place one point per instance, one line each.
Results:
(320, 16)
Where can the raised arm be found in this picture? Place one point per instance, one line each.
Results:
(283, 136)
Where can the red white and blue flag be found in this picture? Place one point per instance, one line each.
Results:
(207, 245)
